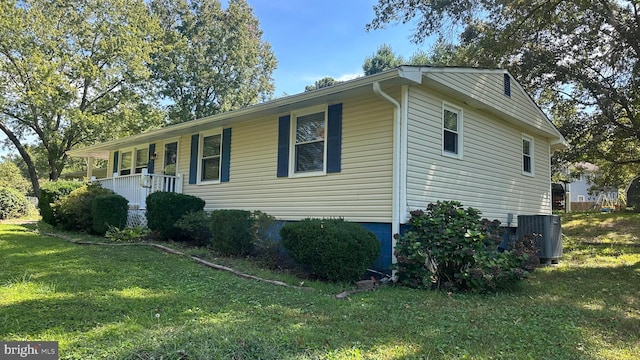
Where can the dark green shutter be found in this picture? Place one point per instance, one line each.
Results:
(284, 126)
(115, 161)
(226, 155)
(152, 161)
(193, 159)
(334, 138)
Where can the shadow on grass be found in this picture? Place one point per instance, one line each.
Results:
(102, 302)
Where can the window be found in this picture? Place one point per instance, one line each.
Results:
(125, 163)
(309, 146)
(142, 159)
(210, 157)
(452, 131)
(527, 155)
(170, 158)
(580, 198)
(310, 142)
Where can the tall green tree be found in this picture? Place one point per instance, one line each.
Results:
(215, 59)
(383, 59)
(579, 58)
(10, 177)
(324, 82)
(73, 72)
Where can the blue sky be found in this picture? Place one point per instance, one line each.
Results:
(313, 39)
(316, 38)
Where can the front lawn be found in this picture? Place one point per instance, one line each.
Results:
(139, 303)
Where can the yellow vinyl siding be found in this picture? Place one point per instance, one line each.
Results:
(488, 88)
(489, 177)
(360, 192)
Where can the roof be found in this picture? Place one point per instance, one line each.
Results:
(403, 75)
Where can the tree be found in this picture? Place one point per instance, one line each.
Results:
(324, 82)
(383, 59)
(73, 72)
(10, 177)
(214, 60)
(579, 58)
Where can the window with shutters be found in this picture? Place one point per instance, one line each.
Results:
(309, 148)
(210, 156)
(132, 161)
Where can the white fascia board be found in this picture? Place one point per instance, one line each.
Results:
(271, 107)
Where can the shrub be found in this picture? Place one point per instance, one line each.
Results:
(164, 209)
(73, 212)
(109, 210)
(333, 249)
(266, 247)
(13, 204)
(50, 193)
(449, 247)
(195, 228)
(232, 232)
(128, 234)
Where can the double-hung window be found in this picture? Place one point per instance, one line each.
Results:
(451, 131)
(142, 159)
(125, 162)
(170, 158)
(310, 141)
(132, 161)
(210, 157)
(310, 145)
(527, 155)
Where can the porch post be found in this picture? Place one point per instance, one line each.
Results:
(89, 167)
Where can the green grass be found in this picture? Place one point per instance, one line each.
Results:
(139, 303)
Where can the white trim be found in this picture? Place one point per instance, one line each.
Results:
(460, 131)
(201, 137)
(581, 198)
(292, 140)
(531, 155)
(121, 152)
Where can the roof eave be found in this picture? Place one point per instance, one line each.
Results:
(280, 105)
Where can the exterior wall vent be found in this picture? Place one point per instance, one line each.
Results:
(507, 85)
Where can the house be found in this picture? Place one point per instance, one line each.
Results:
(581, 193)
(369, 150)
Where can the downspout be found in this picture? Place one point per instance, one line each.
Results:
(395, 197)
(404, 145)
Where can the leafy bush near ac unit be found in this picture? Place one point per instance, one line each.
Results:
(451, 248)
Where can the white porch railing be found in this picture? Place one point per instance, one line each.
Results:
(137, 187)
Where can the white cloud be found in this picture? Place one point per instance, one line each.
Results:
(347, 77)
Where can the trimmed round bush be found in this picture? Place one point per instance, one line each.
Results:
(164, 209)
(195, 228)
(73, 212)
(333, 249)
(109, 210)
(13, 204)
(232, 232)
(51, 192)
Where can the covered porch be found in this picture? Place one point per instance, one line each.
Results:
(136, 187)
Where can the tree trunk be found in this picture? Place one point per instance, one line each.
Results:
(31, 168)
